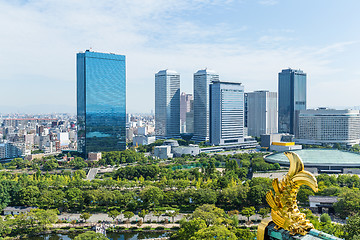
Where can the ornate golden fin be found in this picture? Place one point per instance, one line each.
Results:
(284, 210)
(296, 165)
(305, 178)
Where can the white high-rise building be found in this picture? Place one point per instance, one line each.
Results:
(262, 113)
(63, 137)
(185, 107)
(202, 80)
(329, 126)
(167, 104)
(226, 113)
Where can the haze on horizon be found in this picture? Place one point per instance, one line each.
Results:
(247, 41)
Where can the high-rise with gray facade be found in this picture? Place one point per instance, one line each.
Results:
(226, 113)
(185, 105)
(262, 113)
(202, 80)
(292, 99)
(167, 104)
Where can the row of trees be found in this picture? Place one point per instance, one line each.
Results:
(37, 220)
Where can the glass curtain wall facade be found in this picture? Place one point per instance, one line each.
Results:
(101, 102)
(227, 113)
(167, 104)
(202, 80)
(292, 99)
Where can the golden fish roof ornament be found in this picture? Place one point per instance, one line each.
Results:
(284, 210)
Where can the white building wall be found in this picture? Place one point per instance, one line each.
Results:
(227, 113)
(167, 104)
(262, 113)
(327, 126)
(202, 80)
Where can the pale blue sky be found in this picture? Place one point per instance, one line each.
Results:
(248, 41)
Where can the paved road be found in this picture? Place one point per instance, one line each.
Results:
(104, 217)
(92, 173)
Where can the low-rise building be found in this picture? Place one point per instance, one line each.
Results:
(191, 150)
(163, 152)
(321, 203)
(17, 210)
(94, 156)
(284, 146)
(143, 140)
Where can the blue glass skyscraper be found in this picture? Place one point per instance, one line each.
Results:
(101, 102)
(292, 99)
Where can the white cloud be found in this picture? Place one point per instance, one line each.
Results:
(269, 2)
(42, 38)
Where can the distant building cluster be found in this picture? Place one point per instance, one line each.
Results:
(23, 135)
(217, 112)
(222, 113)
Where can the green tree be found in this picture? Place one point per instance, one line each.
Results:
(50, 165)
(128, 215)
(5, 228)
(248, 212)
(85, 216)
(74, 198)
(264, 212)
(173, 214)
(210, 214)
(348, 203)
(189, 228)
(113, 214)
(29, 196)
(352, 227)
(151, 196)
(78, 163)
(325, 218)
(143, 214)
(158, 214)
(245, 234)
(90, 235)
(214, 232)
(4, 196)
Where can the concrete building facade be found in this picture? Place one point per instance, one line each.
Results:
(185, 107)
(202, 80)
(329, 126)
(226, 113)
(167, 104)
(262, 113)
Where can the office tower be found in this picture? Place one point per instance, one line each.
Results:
(184, 108)
(190, 118)
(262, 113)
(101, 102)
(202, 80)
(167, 104)
(329, 126)
(226, 113)
(245, 110)
(292, 99)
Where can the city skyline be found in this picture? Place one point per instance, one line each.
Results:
(234, 38)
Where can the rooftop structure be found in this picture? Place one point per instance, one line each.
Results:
(325, 160)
